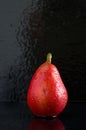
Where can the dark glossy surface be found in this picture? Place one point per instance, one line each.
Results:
(29, 29)
(17, 116)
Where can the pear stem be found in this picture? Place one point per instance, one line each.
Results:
(49, 57)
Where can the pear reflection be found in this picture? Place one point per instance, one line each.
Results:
(46, 124)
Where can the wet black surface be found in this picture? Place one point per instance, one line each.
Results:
(18, 116)
(31, 29)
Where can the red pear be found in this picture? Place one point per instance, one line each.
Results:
(47, 95)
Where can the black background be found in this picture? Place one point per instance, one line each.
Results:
(29, 29)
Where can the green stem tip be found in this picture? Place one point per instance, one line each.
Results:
(49, 57)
